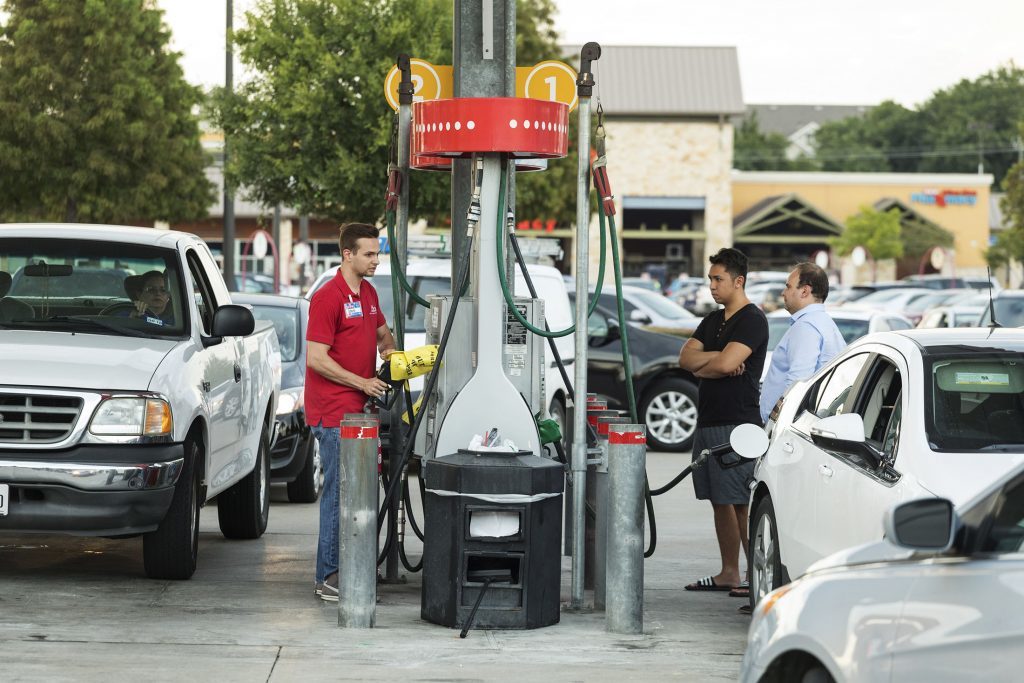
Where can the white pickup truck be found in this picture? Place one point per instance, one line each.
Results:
(132, 391)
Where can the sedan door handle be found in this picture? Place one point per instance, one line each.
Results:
(787, 446)
(825, 471)
(238, 372)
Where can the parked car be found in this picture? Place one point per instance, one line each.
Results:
(917, 308)
(1009, 309)
(254, 283)
(963, 313)
(852, 324)
(855, 292)
(666, 395)
(938, 281)
(294, 453)
(896, 416)
(116, 423)
(647, 283)
(895, 300)
(649, 309)
(940, 599)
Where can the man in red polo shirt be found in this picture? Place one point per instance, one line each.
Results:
(346, 332)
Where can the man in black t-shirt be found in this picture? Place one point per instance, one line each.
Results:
(727, 353)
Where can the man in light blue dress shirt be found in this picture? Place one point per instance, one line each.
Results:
(812, 339)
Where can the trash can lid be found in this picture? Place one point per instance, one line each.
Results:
(494, 472)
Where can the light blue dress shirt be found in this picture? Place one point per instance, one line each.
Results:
(811, 341)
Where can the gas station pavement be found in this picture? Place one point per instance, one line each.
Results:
(80, 609)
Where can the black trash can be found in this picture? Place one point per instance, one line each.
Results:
(493, 523)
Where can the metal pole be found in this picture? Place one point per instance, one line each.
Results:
(627, 464)
(601, 504)
(585, 86)
(357, 528)
(400, 250)
(228, 246)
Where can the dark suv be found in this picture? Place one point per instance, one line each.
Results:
(666, 395)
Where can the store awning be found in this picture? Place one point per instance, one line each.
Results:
(664, 203)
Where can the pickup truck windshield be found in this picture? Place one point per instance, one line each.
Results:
(108, 288)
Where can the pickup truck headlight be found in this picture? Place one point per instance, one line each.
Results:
(132, 416)
(290, 401)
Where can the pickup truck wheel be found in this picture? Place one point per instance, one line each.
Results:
(243, 509)
(306, 487)
(669, 409)
(170, 552)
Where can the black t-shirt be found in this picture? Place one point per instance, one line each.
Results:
(733, 400)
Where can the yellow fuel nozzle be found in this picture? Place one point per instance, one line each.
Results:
(412, 363)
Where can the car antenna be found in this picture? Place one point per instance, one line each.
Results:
(991, 304)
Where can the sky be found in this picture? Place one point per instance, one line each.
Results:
(790, 51)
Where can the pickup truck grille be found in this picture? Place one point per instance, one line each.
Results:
(33, 418)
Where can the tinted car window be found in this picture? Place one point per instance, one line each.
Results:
(286, 325)
(898, 324)
(851, 329)
(976, 402)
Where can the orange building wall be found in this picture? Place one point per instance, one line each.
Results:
(841, 195)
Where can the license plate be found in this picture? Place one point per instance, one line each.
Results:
(5, 496)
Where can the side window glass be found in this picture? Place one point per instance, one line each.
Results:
(899, 324)
(200, 291)
(892, 431)
(597, 326)
(882, 325)
(1006, 534)
(835, 397)
(879, 400)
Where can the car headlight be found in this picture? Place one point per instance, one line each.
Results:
(290, 401)
(132, 416)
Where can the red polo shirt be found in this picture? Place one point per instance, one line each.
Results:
(348, 322)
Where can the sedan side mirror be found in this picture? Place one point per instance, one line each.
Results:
(844, 434)
(928, 524)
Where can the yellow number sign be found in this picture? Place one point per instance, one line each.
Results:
(429, 82)
(550, 80)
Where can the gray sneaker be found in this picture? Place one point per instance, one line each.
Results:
(329, 589)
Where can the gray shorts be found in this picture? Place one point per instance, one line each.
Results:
(711, 482)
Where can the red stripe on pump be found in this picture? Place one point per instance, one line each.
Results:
(348, 432)
(627, 438)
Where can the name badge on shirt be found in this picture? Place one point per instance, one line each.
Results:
(354, 309)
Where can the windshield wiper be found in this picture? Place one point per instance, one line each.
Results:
(87, 322)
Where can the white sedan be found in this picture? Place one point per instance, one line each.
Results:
(942, 599)
(896, 416)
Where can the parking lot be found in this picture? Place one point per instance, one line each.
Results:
(80, 609)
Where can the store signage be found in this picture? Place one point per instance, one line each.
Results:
(944, 198)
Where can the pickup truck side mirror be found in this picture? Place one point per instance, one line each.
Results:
(230, 320)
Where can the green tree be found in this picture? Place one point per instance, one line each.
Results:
(981, 114)
(877, 231)
(1010, 242)
(549, 194)
(96, 119)
(876, 141)
(757, 150)
(312, 128)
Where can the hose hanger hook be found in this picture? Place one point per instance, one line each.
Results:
(405, 86)
(591, 52)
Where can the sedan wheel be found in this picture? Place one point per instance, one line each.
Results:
(764, 562)
(670, 412)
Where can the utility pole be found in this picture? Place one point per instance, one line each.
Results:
(228, 248)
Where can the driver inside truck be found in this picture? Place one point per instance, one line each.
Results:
(151, 296)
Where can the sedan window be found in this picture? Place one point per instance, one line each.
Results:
(976, 402)
(1006, 533)
(834, 396)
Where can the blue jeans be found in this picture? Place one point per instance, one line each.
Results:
(327, 545)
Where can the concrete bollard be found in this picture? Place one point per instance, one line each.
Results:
(601, 509)
(627, 462)
(357, 530)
